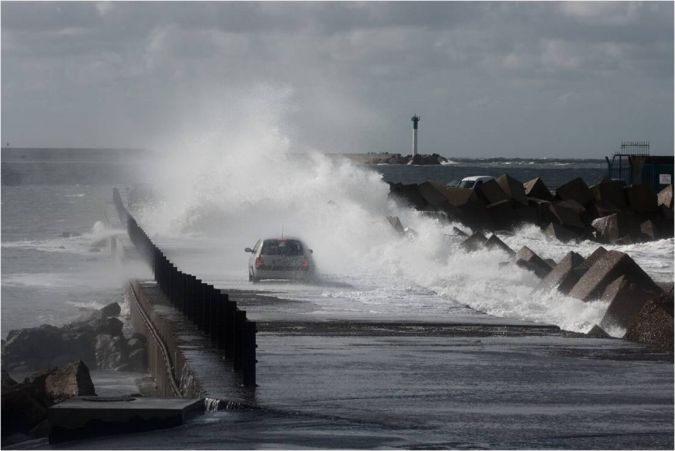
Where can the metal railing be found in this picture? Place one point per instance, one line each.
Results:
(203, 304)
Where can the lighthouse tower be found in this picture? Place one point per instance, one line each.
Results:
(415, 120)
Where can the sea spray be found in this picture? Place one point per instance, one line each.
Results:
(236, 180)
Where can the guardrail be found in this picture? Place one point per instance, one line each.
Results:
(207, 307)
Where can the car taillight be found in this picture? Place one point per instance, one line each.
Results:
(305, 265)
(259, 263)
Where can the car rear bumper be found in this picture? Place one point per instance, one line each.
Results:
(282, 274)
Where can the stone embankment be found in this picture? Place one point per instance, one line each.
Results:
(607, 212)
(635, 303)
(397, 158)
(97, 339)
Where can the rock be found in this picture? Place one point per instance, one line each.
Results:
(58, 384)
(565, 274)
(112, 309)
(606, 269)
(409, 194)
(653, 326)
(111, 326)
(494, 242)
(434, 194)
(526, 258)
(566, 216)
(607, 228)
(21, 411)
(513, 189)
(641, 198)
(560, 233)
(501, 214)
(597, 332)
(111, 351)
(625, 301)
(536, 188)
(649, 230)
(576, 190)
(474, 242)
(395, 222)
(137, 341)
(491, 192)
(46, 346)
(595, 256)
(526, 215)
(609, 192)
(543, 210)
(459, 232)
(665, 197)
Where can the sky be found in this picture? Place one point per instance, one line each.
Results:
(503, 79)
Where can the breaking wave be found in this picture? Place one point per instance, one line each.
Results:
(230, 179)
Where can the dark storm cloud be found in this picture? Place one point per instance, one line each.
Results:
(488, 78)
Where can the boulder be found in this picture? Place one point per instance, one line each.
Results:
(21, 411)
(474, 242)
(494, 242)
(58, 384)
(536, 188)
(607, 228)
(566, 216)
(625, 300)
(565, 274)
(434, 194)
(653, 325)
(665, 197)
(560, 233)
(597, 332)
(543, 211)
(526, 215)
(408, 194)
(501, 214)
(526, 258)
(111, 352)
(641, 198)
(112, 309)
(576, 190)
(609, 193)
(46, 346)
(491, 192)
(606, 268)
(459, 232)
(513, 189)
(595, 256)
(395, 222)
(649, 230)
(111, 326)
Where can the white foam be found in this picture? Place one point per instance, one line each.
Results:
(231, 179)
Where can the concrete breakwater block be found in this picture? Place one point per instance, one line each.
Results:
(665, 197)
(526, 258)
(512, 188)
(92, 416)
(491, 192)
(494, 242)
(609, 192)
(575, 190)
(653, 325)
(560, 233)
(537, 189)
(565, 274)
(474, 242)
(604, 270)
(641, 198)
(625, 301)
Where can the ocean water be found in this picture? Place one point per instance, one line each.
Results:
(210, 203)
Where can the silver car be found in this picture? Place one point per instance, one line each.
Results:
(280, 258)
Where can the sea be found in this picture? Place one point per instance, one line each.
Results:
(203, 204)
(204, 210)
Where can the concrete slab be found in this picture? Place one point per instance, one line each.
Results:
(95, 415)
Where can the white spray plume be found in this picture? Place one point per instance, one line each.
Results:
(230, 176)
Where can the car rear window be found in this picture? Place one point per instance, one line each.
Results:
(281, 247)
